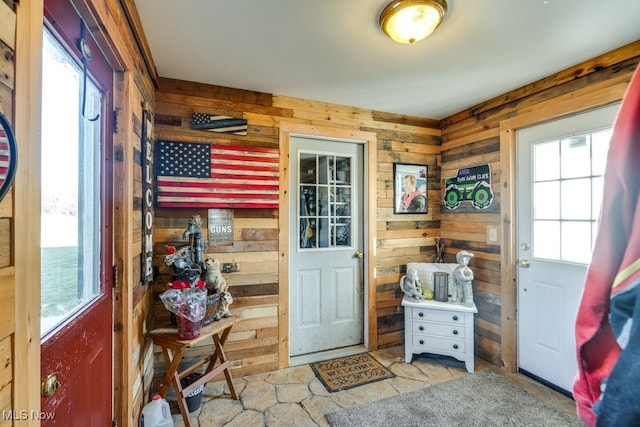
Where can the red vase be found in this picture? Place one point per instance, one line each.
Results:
(188, 330)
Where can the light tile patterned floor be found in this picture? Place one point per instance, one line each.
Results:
(294, 396)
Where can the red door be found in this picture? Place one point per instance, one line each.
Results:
(76, 236)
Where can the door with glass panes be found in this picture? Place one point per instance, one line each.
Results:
(76, 316)
(560, 168)
(326, 275)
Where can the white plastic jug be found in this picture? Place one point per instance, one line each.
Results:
(156, 413)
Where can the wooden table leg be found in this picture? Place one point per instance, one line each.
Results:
(213, 370)
(172, 378)
(182, 402)
(173, 361)
(218, 344)
(219, 341)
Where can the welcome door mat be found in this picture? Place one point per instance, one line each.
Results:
(347, 372)
(482, 399)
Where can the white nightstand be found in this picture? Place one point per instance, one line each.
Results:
(439, 328)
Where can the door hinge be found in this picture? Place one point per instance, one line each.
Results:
(115, 277)
(115, 120)
(114, 423)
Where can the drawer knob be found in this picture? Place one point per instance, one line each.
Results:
(421, 328)
(421, 314)
(421, 342)
(455, 346)
(455, 332)
(455, 317)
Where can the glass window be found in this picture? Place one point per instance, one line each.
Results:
(550, 168)
(70, 180)
(546, 200)
(575, 156)
(546, 235)
(576, 199)
(325, 201)
(567, 192)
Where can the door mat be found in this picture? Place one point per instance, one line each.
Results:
(347, 372)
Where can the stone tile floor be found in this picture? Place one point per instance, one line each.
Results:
(295, 397)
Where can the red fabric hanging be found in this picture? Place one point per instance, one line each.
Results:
(613, 268)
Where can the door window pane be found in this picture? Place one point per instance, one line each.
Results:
(550, 168)
(576, 241)
(567, 193)
(546, 235)
(325, 201)
(575, 155)
(576, 199)
(70, 182)
(546, 200)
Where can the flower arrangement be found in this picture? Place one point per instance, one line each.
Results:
(184, 284)
(188, 302)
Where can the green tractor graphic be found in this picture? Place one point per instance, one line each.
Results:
(471, 184)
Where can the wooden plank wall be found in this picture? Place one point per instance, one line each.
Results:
(402, 238)
(7, 256)
(140, 358)
(133, 307)
(26, 196)
(252, 345)
(472, 137)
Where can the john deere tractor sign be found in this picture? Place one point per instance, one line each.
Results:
(470, 184)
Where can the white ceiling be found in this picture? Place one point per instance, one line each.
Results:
(334, 51)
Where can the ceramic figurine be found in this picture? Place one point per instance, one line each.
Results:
(462, 291)
(223, 309)
(213, 278)
(410, 285)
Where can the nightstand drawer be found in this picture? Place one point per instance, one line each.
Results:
(438, 316)
(439, 329)
(429, 344)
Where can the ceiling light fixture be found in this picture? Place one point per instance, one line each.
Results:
(409, 21)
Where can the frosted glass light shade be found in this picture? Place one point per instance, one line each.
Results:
(408, 21)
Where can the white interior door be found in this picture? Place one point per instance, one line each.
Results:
(560, 166)
(326, 275)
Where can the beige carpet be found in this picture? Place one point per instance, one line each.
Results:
(351, 371)
(482, 399)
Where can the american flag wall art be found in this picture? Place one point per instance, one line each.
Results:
(195, 175)
(213, 123)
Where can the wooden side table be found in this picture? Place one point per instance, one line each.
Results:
(173, 350)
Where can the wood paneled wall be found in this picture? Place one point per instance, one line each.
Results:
(120, 35)
(473, 137)
(26, 203)
(7, 255)
(253, 343)
(134, 308)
